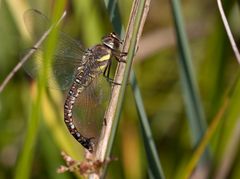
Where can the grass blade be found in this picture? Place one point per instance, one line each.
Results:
(154, 164)
(196, 117)
(23, 168)
(152, 156)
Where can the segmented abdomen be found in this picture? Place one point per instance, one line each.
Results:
(82, 81)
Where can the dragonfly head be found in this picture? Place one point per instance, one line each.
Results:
(111, 41)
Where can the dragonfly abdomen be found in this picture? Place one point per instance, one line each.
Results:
(79, 84)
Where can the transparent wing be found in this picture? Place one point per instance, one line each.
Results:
(90, 108)
(67, 56)
(61, 72)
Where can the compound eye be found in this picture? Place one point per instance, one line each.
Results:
(115, 36)
(110, 44)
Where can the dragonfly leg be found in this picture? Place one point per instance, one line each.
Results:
(119, 56)
(123, 54)
(106, 74)
(110, 80)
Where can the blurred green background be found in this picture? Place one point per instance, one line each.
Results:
(157, 70)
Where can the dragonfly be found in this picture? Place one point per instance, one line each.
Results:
(75, 68)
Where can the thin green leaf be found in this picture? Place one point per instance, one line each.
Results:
(196, 117)
(155, 168)
(24, 164)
